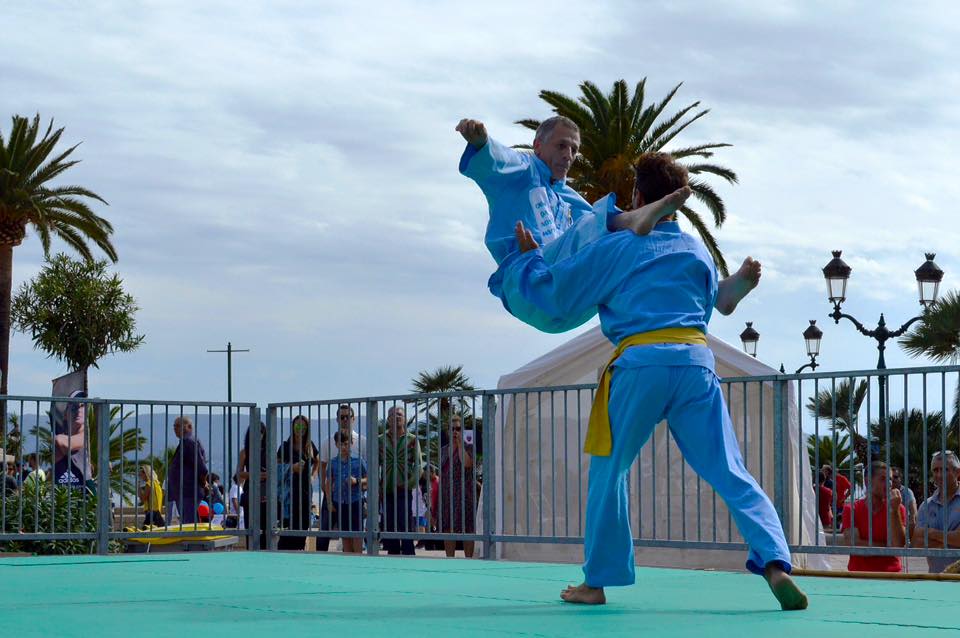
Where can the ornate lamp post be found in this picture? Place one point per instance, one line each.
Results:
(811, 337)
(837, 272)
(750, 337)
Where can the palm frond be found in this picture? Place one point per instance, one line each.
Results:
(654, 139)
(708, 240)
(713, 169)
(705, 193)
(937, 335)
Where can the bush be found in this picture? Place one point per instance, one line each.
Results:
(71, 506)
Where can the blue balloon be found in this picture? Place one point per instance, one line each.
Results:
(218, 508)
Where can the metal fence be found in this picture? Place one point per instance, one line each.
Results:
(504, 469)
(100, 453)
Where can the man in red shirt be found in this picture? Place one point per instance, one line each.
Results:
(866, 524)
(825, 503)
(838, 483)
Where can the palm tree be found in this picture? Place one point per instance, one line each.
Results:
(616, 129)
(27, 166)
(938, 336)
(123, 469)
(431, 417)
(443, 379)
(841, 408)
(822, 450)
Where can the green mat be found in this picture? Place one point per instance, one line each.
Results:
(262, 594)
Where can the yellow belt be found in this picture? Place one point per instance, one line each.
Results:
(599, 440)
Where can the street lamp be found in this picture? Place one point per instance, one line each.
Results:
(836, 273)
(750, 337)
(812, 337)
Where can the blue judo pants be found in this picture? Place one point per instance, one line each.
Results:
(690, 398)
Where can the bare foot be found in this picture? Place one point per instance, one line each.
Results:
(788, 594)
(642, 220)
(584, 595)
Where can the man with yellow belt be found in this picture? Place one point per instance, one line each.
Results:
(655, 295)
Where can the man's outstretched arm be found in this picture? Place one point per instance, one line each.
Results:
(734, 288)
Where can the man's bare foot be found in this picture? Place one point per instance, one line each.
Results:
(584, 595)
(788, 594)
(642, 220)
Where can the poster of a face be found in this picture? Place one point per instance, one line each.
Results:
(71, 439)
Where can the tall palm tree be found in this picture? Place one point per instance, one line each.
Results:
(938, 336)
(840, 407)
(617, 128)
(28, 165)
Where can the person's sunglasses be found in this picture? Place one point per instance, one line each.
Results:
(344, 417)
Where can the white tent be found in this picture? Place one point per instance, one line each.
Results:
(541, 471)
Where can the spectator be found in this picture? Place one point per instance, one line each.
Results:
(458, 489)
(214, 492)
(31, 471)
(938, 519)
(343, 487)
(401, 465)
(868, 524)
(826, 502)
(420, 509)
(358, 448)
(234, 511)
(839, 484)
(298, 467)
(186, 474)
(10, 485)
(248, 459)
(151, 496)
(909, 500)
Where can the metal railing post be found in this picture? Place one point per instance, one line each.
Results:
(253, 481)
(489, 486)
(373, 480)
(779, 458)
(272, 496)
(104, 522)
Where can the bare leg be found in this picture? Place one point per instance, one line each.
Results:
(468, 549)
(583, 595)
(450, 547)
(643, 219)
(788, 594)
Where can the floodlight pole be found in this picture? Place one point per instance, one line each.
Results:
(230, 350)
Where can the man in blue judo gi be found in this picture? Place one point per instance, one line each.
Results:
(655, 295)
(532, 188)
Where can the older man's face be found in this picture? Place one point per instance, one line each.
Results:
(396, 417)
(943, 471)
(558, 150)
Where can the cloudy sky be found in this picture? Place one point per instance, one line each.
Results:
(283, 175)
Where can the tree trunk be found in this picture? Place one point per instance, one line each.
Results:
(6, 292)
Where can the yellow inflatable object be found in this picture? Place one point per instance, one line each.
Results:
(203, 534)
